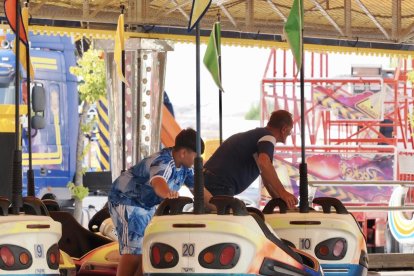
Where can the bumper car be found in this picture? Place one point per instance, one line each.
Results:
(91, 253)
(102, 260)
(28, 243)
(230, 242)
(401, 226)
(334, 238)
(88, 250)
(67, 266)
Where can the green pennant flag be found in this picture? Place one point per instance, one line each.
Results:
(213, 53)
(293, 31)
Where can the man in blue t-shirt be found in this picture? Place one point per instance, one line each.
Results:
(246, 155)
(136, 193)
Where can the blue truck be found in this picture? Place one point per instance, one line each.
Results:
(53, 145)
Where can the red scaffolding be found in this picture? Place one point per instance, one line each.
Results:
(342, 112)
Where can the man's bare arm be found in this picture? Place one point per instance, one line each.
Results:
(272, 182)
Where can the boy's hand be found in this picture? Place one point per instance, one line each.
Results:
(161, 188)
(165, 192)
(172, 194)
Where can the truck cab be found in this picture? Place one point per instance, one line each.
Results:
(54, 144)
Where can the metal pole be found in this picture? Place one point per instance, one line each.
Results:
(220, 92)
(30, 173)
(198, 161)
(123, 106)
(303, 168)
(123, 114)
(220, 103)
(17, 157)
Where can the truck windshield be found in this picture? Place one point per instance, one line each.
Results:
(7, 93)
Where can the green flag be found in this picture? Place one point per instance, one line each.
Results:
(293, 31)
(213, 53)
(198, 9)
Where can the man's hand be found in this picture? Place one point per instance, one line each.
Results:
(272, 182)
(290, 199)
(207, 196)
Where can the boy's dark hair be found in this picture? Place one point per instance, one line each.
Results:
(187, 139)
(279, 119)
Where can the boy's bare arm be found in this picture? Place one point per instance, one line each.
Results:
(161, 188)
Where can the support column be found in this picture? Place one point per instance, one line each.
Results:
(249, 15)
(348, 18)
(138, 11)
(85, 10)
(396, 19)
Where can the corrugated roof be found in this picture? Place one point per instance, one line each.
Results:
(243, 42)
(388, 21)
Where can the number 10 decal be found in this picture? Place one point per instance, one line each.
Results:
(305, 243)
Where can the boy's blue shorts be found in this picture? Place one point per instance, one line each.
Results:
(130, 223)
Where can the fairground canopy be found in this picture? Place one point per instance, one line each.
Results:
(343, 24)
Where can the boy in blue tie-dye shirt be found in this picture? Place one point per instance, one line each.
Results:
(137, 192)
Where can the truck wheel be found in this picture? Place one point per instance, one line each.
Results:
(391, 244)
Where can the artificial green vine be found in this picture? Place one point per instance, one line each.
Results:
(78, 192)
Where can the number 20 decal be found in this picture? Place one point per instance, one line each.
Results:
(188, 249)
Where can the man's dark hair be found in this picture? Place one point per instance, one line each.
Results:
(279, 119)
(187, 139)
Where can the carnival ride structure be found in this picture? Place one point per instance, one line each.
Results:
(359, 138)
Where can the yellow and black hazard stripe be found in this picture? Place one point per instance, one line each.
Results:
(103, 141)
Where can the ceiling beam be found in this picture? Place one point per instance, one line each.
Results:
(38, 6)
(101, 7)
(249, 15)
(138, 11)
(179, 8)
(162, 9)
(348, 18)
(65, 14)
(369, 14)
(407, 34)
(330, 19)
(142, 9)
(391, 25)
(85, 10)
(276, 10)
(396, 19)
(228, 15)
(220, 4)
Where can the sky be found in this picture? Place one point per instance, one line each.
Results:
(242, 71)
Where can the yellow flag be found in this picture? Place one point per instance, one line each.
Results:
(22, 56)
(198, 9)
(119, 47)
